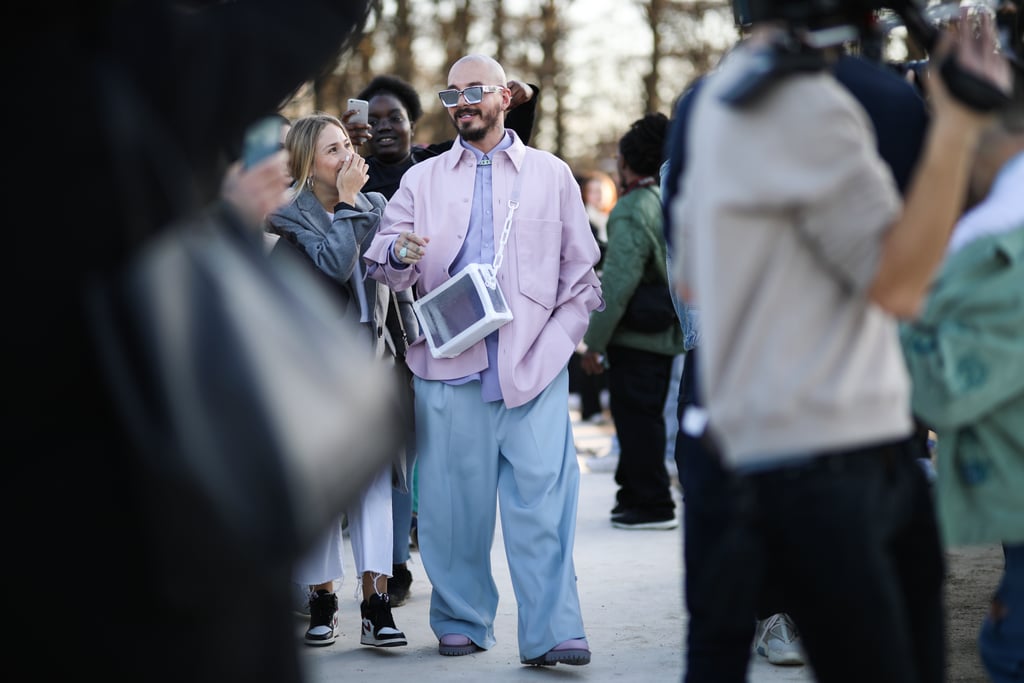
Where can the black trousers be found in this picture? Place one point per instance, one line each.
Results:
(587, 386)
(845, 545)
(637, 388)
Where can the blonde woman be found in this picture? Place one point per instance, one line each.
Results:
(331, 221)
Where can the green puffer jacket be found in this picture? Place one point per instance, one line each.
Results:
(635, 254)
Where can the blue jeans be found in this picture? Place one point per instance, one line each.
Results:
(1001, 641)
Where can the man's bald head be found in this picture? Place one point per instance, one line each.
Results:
(479, 69)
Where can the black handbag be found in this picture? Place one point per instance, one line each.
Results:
(650, 309)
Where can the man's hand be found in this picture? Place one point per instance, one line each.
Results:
(592, 363)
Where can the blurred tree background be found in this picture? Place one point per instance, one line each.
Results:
(600, 65)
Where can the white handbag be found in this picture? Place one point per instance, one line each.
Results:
(469, 306)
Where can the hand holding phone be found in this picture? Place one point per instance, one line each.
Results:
(262, 139)
(356, 120)
(361, 108)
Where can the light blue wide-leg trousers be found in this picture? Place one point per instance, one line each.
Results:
(474, 458)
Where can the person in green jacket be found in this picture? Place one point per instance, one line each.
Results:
(637, 350)
(965, 354)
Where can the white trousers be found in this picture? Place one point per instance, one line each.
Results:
(371, 530)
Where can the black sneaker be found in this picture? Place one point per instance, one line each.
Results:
(378, 625)
(399, 584)
(633, 519)
(323, 618)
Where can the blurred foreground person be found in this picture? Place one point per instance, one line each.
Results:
(796, 247)
(128, 566)
(966, 359)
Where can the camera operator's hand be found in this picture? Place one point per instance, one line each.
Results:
(972, 43)
(916, 241)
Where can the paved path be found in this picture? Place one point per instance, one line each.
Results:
(630, 586)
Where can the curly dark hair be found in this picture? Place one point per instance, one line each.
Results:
(643, 145)
(393, 85)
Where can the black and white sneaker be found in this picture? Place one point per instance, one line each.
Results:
(378, 625)
(632, 519)
(399, 585)
(323, 618)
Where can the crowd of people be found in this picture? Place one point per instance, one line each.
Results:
(837, 258)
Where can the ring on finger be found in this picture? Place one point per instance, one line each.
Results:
(403, 252)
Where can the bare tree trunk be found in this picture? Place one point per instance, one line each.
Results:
(498, 31)
(654, 10)
(402, 37)
(332, 88)
(550, 71)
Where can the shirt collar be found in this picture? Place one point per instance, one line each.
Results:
(510, 145)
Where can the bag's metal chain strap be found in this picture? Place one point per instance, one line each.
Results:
(490, 276)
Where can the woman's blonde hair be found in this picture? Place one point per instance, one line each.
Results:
(609, 192)
(301, 144)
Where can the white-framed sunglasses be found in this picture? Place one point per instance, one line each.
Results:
(474, 94)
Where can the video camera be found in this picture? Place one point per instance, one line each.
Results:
(814, 25)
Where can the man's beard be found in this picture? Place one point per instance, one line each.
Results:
(489, 120)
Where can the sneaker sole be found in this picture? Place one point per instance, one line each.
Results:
(457, 650)
(663, 525)
(570, 657)
(785, 658)
(393, 642)
(320, 643)
(781, 658)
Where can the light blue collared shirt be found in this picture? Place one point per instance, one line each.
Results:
(479, 248)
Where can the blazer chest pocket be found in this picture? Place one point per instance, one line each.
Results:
(538, 255)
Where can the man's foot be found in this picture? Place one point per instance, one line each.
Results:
(323, 618)
(575, 652)
(378, 625)
(456, 645)
(399, 584)
(633, 519)
(779, 641)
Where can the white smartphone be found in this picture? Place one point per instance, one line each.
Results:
(362, 108)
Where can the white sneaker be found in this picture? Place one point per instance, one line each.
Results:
(779, 641)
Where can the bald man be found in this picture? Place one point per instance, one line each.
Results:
(492, 423)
